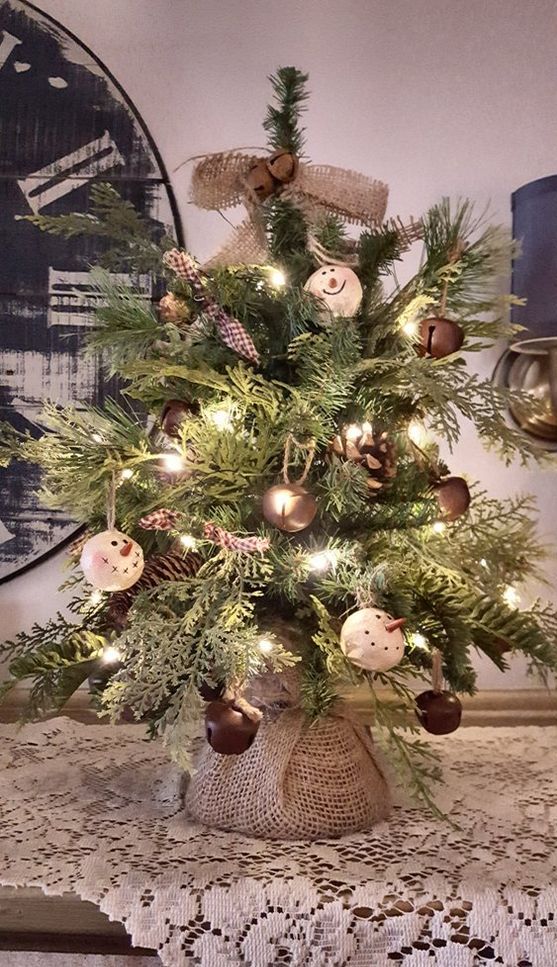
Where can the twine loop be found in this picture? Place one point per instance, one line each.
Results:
(437, 679)
(291, 440)
(455, 255)
(111, 503)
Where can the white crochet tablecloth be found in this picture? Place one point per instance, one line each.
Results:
(97, 811)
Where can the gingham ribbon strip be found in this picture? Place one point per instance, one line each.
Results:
(248, 545)
(167, 520)
(230, 330)
(160, 520)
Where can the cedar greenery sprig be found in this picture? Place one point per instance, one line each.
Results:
(133, 242)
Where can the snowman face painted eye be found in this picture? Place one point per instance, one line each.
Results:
(114, 543)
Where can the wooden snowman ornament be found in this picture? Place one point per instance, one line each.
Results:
(338, 287)
(111, 561)
(372, 639)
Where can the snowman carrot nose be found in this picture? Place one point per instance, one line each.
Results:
(332, 282)
(126, 549)
(397, 623)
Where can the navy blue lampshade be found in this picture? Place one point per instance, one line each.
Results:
(534, 208)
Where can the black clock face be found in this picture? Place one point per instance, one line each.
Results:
(64, 124)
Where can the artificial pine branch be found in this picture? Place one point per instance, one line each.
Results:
(287, 231)
(126, 327)
(286, 225)
(317, 692)
(282, 121)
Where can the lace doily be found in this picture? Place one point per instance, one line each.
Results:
(98, 811)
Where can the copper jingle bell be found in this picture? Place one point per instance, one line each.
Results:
(438, 712)
(453, 495)
(260, 180)
(283, 165)
(174, 412)
(289, 507)
(228, 730)
(439, 337)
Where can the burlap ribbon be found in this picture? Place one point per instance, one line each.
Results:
(220, 181)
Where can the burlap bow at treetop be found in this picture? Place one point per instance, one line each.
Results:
(222, 180)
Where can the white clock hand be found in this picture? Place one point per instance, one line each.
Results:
(7, 44)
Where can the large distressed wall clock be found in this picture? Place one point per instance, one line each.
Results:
(64, 123)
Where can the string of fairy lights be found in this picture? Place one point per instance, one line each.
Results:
(317, 561)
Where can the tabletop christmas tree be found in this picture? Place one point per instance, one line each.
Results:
(269, 519)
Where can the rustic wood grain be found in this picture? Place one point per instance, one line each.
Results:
(528, 706)
(29, 920)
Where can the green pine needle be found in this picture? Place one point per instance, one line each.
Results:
(282, 121)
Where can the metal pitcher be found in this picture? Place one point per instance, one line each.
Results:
(531, 363)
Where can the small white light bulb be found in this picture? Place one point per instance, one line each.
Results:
(438, 527)
(96, 597)
(416, 432)
(222, 419)
(173, 462)
(110, 655)
(511, 596)
(410, 329)
(266, 645)
(322, 560)
(483, 562)
(188, 541)
(97, 438)
(418, 640)
(277, 278)
(353, 432)
(126, 474)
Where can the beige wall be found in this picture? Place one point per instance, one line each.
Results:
(434, 97)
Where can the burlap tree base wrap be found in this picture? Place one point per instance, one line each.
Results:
(298, 781)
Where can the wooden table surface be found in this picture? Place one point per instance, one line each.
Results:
(29, 920)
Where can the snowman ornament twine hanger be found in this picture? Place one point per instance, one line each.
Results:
(111, 561)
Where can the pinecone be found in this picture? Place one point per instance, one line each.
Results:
(371, 449)
(162, 567)
(173, 309)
